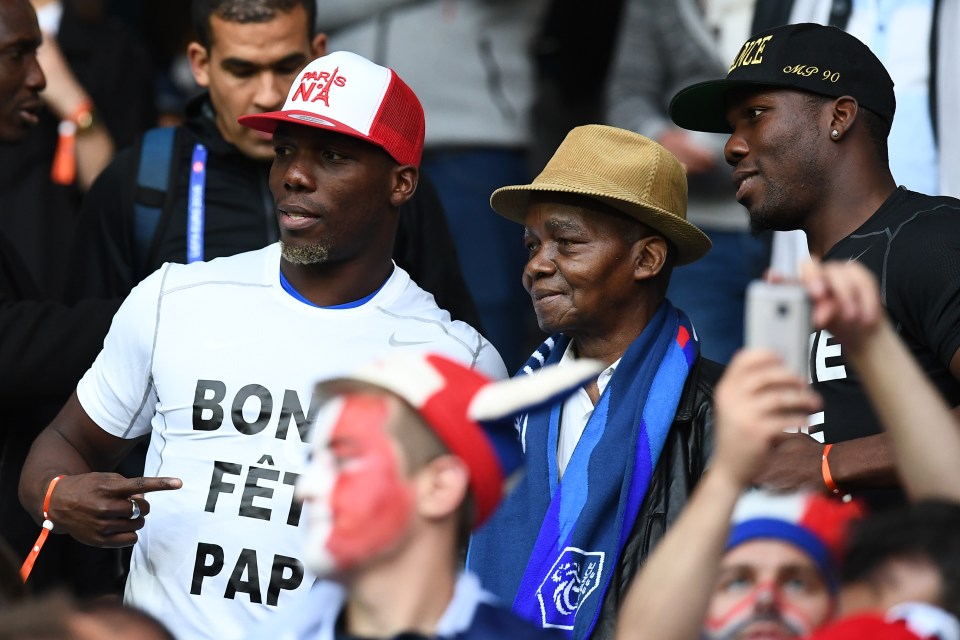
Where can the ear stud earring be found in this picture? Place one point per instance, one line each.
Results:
(834, 134)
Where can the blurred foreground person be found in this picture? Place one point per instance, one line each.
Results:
(57, 617)
(410, 455)
(780, 572)
(900, 575)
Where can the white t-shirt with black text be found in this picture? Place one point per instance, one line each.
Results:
(218, 363)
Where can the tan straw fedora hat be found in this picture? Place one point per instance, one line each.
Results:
(625, 170)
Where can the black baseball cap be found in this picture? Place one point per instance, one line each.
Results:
(808, 57)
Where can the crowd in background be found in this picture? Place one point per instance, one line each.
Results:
(100, 193)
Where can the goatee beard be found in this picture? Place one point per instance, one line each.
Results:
(310, 254)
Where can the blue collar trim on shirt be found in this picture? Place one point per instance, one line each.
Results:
(346, 305)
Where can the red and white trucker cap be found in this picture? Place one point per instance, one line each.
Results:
(349, 94)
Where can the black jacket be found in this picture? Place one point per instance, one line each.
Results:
(114, 68)
(683, 460)
(45, 347)
(239, 216)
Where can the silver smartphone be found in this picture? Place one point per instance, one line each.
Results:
(778, 319)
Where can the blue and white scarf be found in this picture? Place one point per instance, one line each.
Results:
(553, 545)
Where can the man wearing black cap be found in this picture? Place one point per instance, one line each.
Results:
(809, 108)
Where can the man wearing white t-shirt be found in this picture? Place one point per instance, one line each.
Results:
(217, 362)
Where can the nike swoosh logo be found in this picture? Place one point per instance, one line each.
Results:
(404, 343)
(861, 254)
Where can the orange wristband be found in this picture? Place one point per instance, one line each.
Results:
(46, 498)
(64, 169)
(82, 116)
(44, 532)
(825, 470)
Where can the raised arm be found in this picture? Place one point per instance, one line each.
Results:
(68, 100)
(755, 401)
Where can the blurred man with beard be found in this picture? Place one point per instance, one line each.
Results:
(779, 575)
(900, 574)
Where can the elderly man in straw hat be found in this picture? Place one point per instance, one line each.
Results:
(610, 467)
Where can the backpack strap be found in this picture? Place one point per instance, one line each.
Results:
(153, 182)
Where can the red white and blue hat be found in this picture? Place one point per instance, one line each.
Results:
(347, 93)
(813, 522)
(471, 414)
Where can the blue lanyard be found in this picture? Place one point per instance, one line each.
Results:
(195, 207)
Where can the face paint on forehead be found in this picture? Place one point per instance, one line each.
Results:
(343, 422)
(349, 418)
(764, 604)
(368, 503)
(361, 415)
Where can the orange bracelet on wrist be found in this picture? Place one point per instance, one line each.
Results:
(82, 116)
(44, 532)
(825, 470)
(64, 169)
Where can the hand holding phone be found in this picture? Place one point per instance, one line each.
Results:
(778, 318)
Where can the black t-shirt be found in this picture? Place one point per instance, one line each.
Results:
(912, 245)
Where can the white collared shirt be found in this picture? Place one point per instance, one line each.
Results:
(577, 409)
